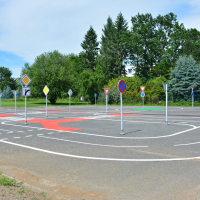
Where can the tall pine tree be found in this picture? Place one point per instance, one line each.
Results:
(113, 50)
(90, 47)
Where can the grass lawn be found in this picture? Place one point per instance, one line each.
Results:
(38, 102)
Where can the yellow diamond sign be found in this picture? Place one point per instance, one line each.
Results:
(25, 80)
(46, 90)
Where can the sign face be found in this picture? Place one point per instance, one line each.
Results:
(25, 80)
(142, 88)
(13, 91)
(26, 91)
(46, 90)
(70, 92)
(192, 89)
(164, 85)
(95, 94)
(142, 94)
(122, 86)
(106, 90)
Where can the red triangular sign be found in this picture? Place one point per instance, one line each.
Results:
(142, 88)
(106, 90)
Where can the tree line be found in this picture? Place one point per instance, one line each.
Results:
(152, 44)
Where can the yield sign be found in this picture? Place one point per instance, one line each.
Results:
(106, 90)
(142, 88)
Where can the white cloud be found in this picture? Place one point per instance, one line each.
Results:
(29, 28)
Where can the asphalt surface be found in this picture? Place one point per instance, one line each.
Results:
(84, 149)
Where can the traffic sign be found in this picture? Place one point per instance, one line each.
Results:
(164, 85)
(122, 86)
(106, 90)
(142, 88)
(26, 91)
(26, 80)
(95, 94)
(142, 94)
(192, 93)
(13, 91)
(70, 92)
(46, 90)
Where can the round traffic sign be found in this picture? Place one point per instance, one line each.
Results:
(122, 86)
(142, 94)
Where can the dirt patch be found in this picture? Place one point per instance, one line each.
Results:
(36, 187)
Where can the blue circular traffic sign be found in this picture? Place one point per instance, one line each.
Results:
(142, 94)
(122, 86)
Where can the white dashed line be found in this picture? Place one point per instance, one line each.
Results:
(50, 133)
(16, 137)
(20, 131)
(29, 136)
(186, 144)
(92, 144)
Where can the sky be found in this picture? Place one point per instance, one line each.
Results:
(29, 28)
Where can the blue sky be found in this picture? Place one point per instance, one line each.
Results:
(29, 28)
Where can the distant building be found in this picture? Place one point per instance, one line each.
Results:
(130, 68)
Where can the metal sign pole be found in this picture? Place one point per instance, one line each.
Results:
(15, 102)
(95, 101)
(143, 102)
(0, 101)
(69, 105)
(46, 106)
(106, 103)
(166, 101)
(122, 128)
(25, 112)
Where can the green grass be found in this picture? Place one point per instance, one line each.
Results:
(31, 102)
(7, 181)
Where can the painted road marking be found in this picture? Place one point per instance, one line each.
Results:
(50, 133)
(99, 158)
(186, 144)
(117, 137)
(29, 136)
(16, 137)
(92, 144)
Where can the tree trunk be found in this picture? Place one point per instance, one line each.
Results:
(52, 101)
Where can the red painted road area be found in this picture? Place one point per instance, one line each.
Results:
(6, 115)
(54, 124)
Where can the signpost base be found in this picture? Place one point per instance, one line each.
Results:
(122, 133)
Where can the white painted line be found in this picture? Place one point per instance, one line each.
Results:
(124, 137)
(186, 144)
(99, 158)
(91, 143)
(10, 132)
(50, 133)
(4, 139)
(20, 131)
(39, 134)
(16, 137)
(29, 136)
(30, 130)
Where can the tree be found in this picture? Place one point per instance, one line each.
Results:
(91, 82)
(155, 44)
(6, 79)
(7, 93)
(90, 47)
(54, 70)
(113, 50)
(185, 76)
(192, 44)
